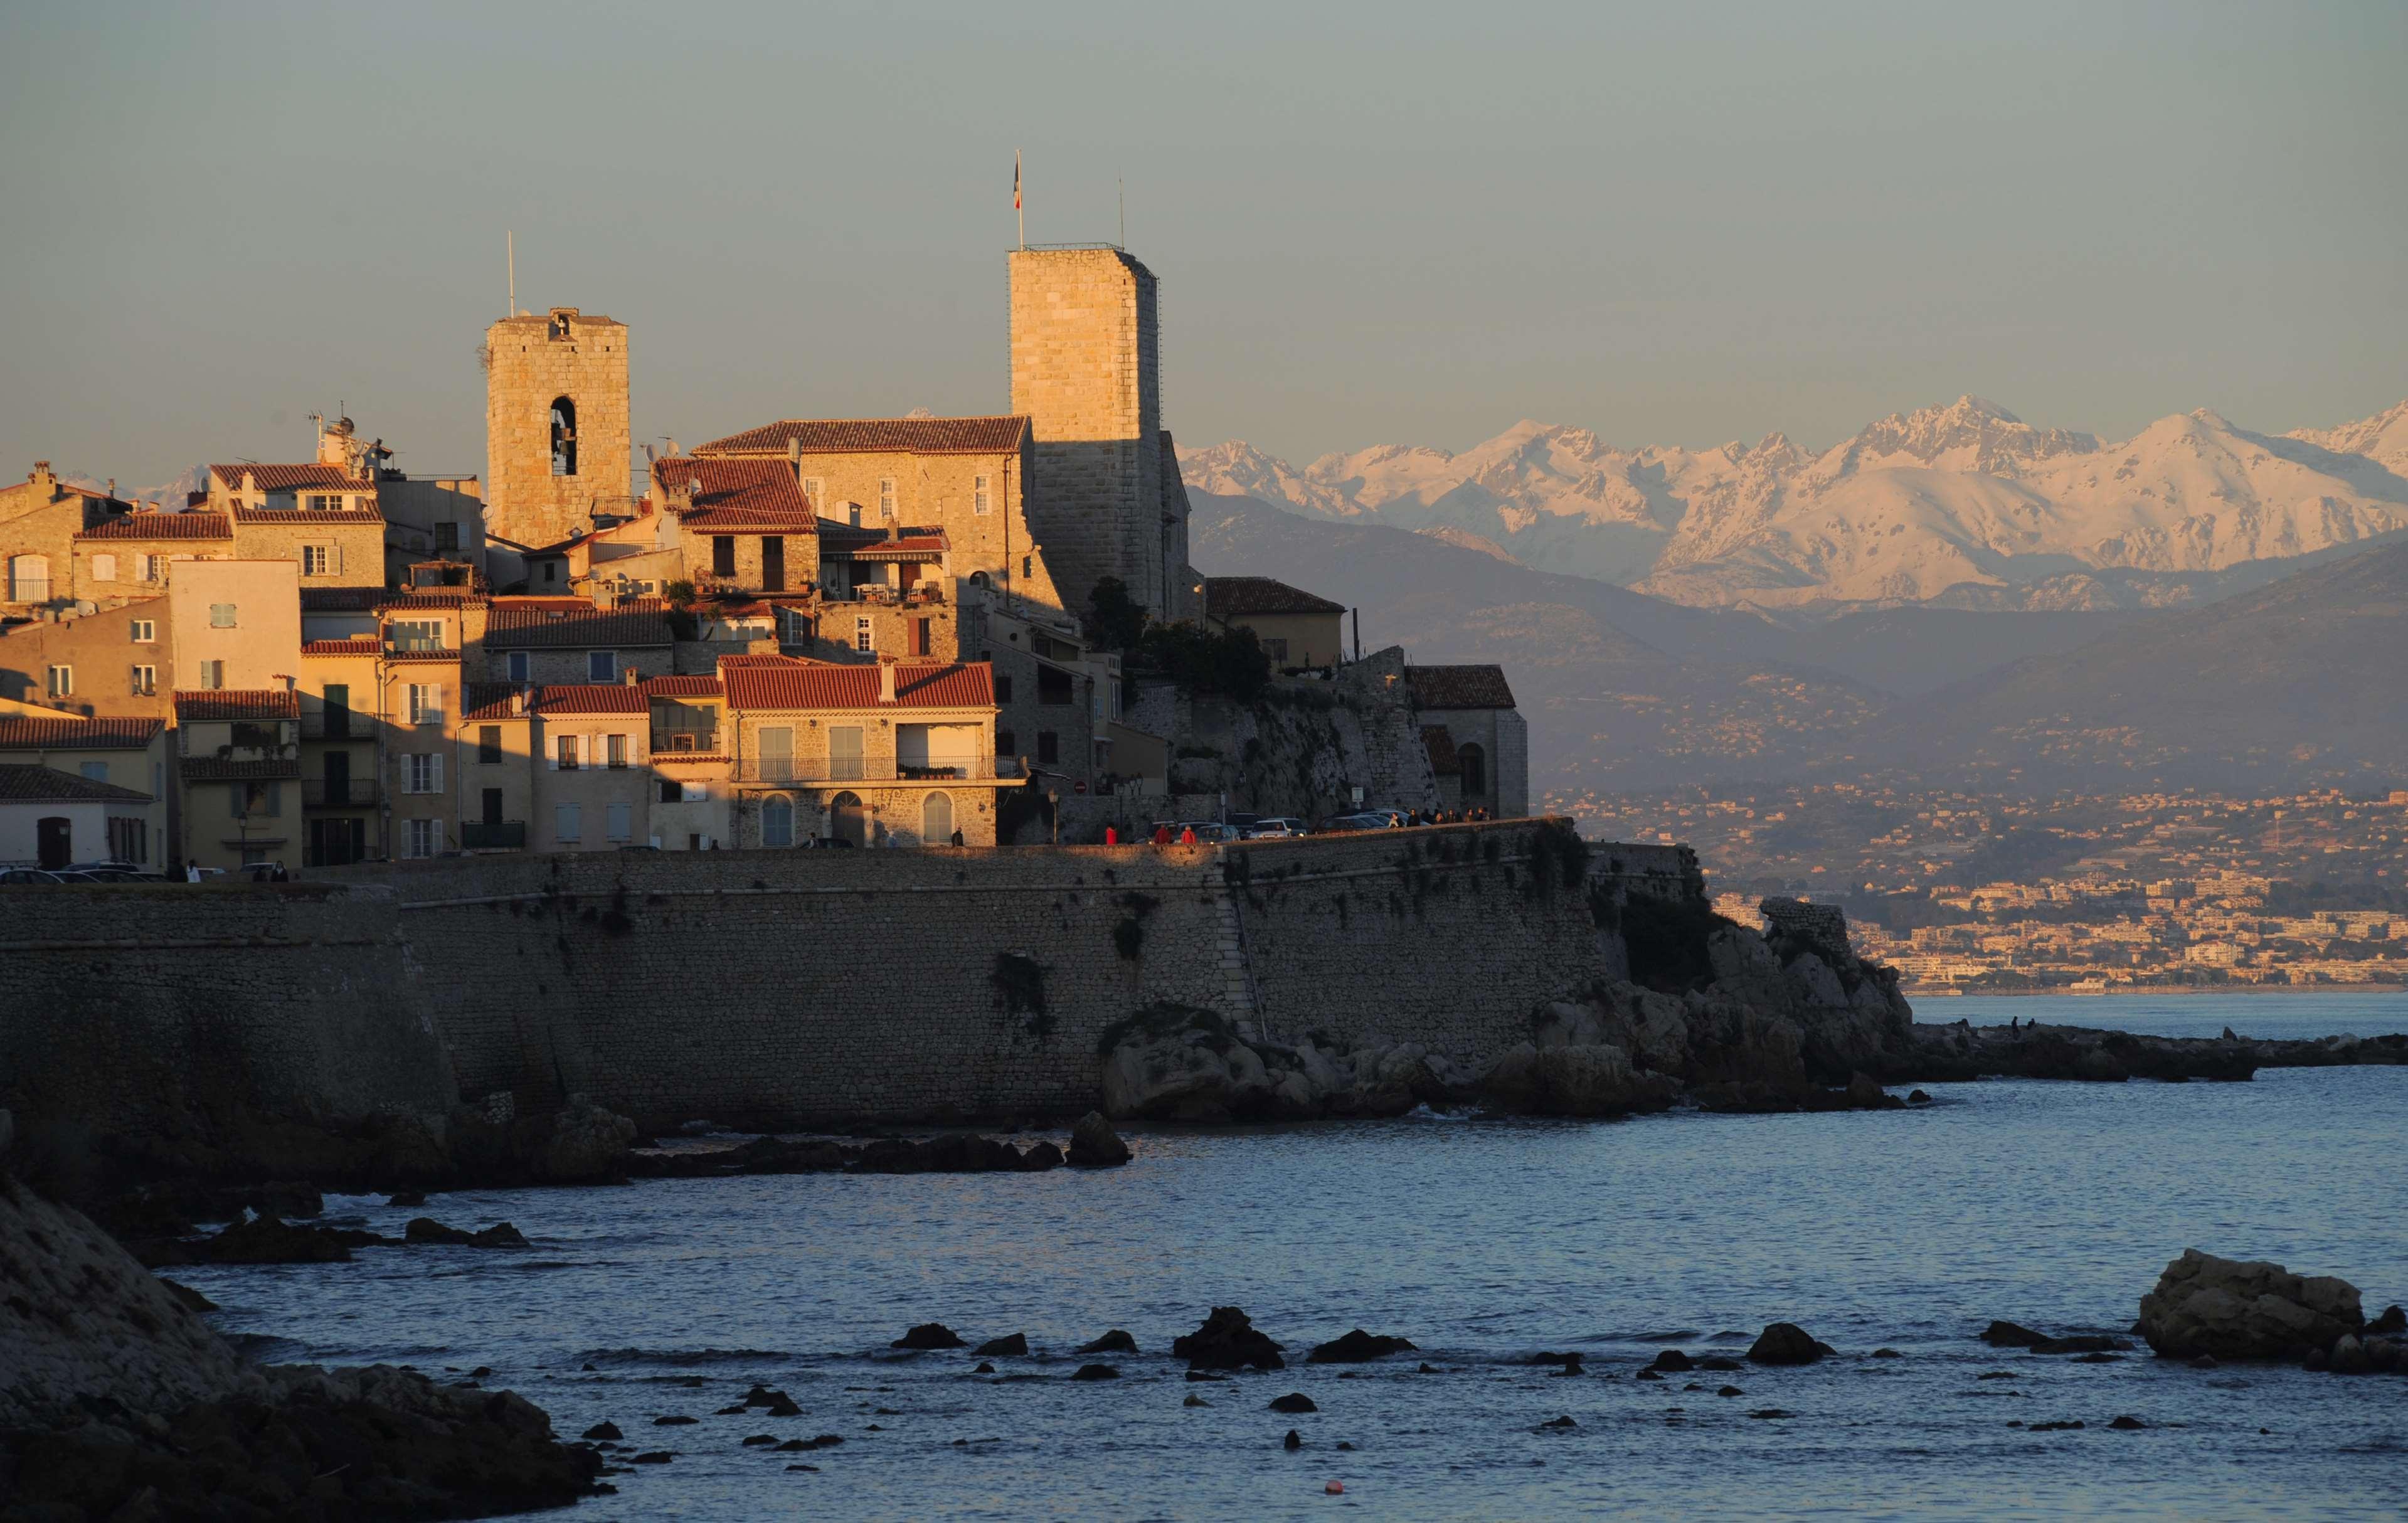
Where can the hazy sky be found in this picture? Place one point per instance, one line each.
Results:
(1372, 222)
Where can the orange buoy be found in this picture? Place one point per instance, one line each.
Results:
(1335, 1488)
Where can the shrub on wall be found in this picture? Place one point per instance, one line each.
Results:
(1667, 938)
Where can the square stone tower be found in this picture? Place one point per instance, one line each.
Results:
(1087, 371)
(556, 444)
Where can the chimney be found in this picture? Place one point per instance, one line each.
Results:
(518, 701)
(631, 678)
(42, 478)
(894, 531)
(886, 681)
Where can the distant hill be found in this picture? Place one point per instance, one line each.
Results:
(1963, 505)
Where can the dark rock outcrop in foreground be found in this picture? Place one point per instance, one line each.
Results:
(1786, 1343)
(1359, 1348)
(950, 1153)
(2227, 1309)
(118, 1401)
(1965, 1051)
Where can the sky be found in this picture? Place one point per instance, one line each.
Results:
(1372, 222)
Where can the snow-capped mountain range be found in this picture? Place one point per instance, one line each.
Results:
(1964, 505)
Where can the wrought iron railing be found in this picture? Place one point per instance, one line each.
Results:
(338, 793)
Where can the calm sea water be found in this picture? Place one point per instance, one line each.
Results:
(1484, 1242)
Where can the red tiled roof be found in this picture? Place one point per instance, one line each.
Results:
(287, 478)
(662, 759)
(211, 770)
(1234, 598)
(764, 659)
(683, 687)
(488, 701)
(547, 605)
(423, 655)
(25, 783)
(878, 435)
(355, 645)
(595, 698)
(1440, 746)
(822, 685)
(161, 526)
(908, 544)
(33, 732)
(1459, 687)
(524, 628)
(739, 496)
(303, 515)
(237, 703)
(370, 599)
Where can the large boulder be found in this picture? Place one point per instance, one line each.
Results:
(586, 1143)
(2233, 1309)
(1228, 1340)
(1574, 1081)
(1094, 1145)
(1173, 1063)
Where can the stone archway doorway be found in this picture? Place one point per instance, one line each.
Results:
(847, 820)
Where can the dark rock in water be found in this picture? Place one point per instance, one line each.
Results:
(1720, 1363)
(1916, 1096)
(739, 1409)
(783, 1407)
(2083, 1343)
(1095, 1372)
(1094, 1145)
(1730, 1390)
(675, 1422)
(1199, 1375)
(425, 1231)
(1345, 1447)
(983, 1369)
(289, 1198)
(2205, 1361)
(2203, 1304)
(1886, 1353)
(1013, 1345)
(2128, 1423)
(1358, 1347)
(1042, 1157)
(2393, 1322)
(406, 1199)
(1426, 1368)
(1561, 1422)
(1116, 1342)
(1647, 1375)
(603, 1431)
(657, 1456)
(762, 1396)
(2011, 1335)
(1996, 1374)
(266, 1240)
(1293, 1441)
(2349, 1357)
(813, 1468)
(2098, 1358)
(929, 1335)
(191, 1300)
(760, 1440)
(1785, 1343)
(1770, 1411)
(2055, 1428)
(1227, 1341)
(1673, 1362)
(1293, 1401)
(1195, 1400)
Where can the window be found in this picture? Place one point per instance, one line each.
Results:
(551, 570)
(154, 567)
(447, 535)
(982, 500)
(1002, 688)
(424, 837)
(521, 664)
(723, 554)
(489, 744)
(1052, 684)
(813, 489)
(336, 718)
(96, 772)
(316, 560)
(619, 822)
(564, 436)
(29, 579)
(777, 821)
(246, 735)
(129, 841)
(861, 640)
(601, 665)
(920, 635)
(325, 505)
(104, 568)
(773, 563)
(222, 615)
(213, 675)
(1474, 763)
(62, 681)
(568, 823)
(670, 792)
(563, 757)
(425, 773)
(844, 751)
(1049, 746)
(416, 634)
(264, 799)
(937, 819)
(426, 703)
(143, 631)
(1006, 743)
(885, 498)
(614, 748)
(146, 682)
(777, 753)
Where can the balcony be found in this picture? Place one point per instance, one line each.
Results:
(673, 743)
(339, 793)
(334, 725)
(506, 835)
(772, 770)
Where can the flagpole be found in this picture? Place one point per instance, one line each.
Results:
(1019, 210)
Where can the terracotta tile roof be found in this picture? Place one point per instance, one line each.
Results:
(237, 703)
(25, 783)
(355, 645)
(739, 496)
(908, 544)
(303, 515)
(823, 686)
(370, 599)
(423, 655)
(683, 687)
(877, 435)
(211, 770)
(290, 478)
(518, 629)
(662, 759)
(161, 526)
(30, 732)
(1459, 687)
(1234, 598)
(1440, 746)
(487, 701)
(547, 605)
(595, 698)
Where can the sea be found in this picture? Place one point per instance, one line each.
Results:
(1487, 1241)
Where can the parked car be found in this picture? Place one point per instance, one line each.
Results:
(1208, 832)
(70, 875)
(28, 878)
(1275, 828)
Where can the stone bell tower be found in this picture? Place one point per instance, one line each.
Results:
(557, 442)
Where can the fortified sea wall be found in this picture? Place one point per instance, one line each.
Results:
(782, 987)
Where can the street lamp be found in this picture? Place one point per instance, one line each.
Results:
(1053, 797)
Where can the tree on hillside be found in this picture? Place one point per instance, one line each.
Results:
(1114, 619)
(1231, 662)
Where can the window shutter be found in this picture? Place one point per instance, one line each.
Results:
(437, 714)
(435, 772)
(339, 557)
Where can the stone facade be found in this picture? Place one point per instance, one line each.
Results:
(530, 364)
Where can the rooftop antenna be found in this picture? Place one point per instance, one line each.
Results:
(511, 248)
(1122, 185)
(1017, 209)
